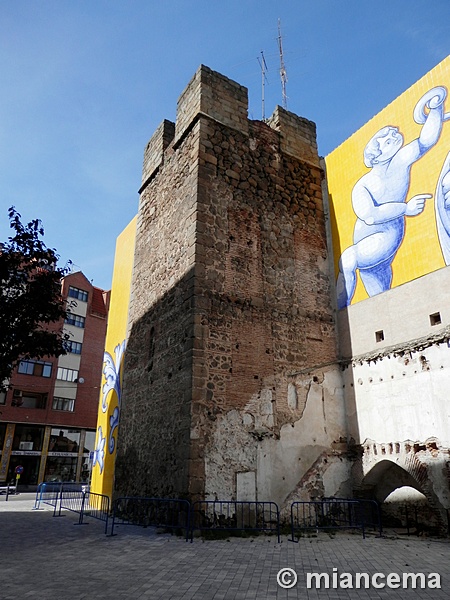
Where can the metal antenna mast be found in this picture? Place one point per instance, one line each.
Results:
(263, 65)
(283, 73)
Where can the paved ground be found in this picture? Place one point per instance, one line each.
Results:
(46, 558)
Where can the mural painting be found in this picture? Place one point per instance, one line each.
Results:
(393, 191)
(109, 404)
(442, 202)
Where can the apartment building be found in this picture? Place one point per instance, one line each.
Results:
(48, 416)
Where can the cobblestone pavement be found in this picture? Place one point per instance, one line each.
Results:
(47, 558)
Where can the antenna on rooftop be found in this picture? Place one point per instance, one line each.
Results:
(263, 65)
(283, 73)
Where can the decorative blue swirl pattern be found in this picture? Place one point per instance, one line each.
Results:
(113, 424)
(112, 371)
(99, 452)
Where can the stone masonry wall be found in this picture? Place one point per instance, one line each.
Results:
(231, 326)
(155, 421)
(261, 274)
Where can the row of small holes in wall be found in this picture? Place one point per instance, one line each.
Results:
(371, 380)
(435, 319)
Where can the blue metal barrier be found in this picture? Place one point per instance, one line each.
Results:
(168, 513)
(86, 504)
(370, 512)
(326, 514)
(234, 515)
(49, 492)
(209, 515)
(71, 500)
(37, 500)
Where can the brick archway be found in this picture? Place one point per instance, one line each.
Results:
(385, 477)
(385, 467)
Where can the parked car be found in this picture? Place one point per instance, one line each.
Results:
(4, 487)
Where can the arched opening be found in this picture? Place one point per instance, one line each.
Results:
(385, 477)
(404, 504)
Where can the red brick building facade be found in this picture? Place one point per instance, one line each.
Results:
(48, 416)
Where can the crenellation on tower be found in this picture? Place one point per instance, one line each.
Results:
(155, 149)
(297, 135)
(214, 95)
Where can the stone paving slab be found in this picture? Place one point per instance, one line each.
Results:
(48, 558)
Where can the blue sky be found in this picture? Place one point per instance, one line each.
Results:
(84, 84)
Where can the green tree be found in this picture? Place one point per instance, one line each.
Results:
(31, 307)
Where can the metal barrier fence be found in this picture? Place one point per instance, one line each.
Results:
(167, 513)
(326, 514)
(417, 519)
(49, 492)
(410, 521)
(210, 515)
(86, 504)
(233, 515)
(371, 515)
(369, 512)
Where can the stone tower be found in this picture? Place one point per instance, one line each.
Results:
(231, 387)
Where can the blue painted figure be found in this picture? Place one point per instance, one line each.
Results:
(379, 200)
(442, 209)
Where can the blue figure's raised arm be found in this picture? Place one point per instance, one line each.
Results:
(432, 126)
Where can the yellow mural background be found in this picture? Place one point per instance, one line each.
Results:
(103, 483)
(420, 252)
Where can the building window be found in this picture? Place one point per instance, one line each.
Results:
(64, 440)
(435, 319)
(379, 335)
(66, 404)
(60, 469)
(67, 374)
(29, 399)
(2, 434)
(73, 347)
(35, 367)
(76, 320)
(78, 294)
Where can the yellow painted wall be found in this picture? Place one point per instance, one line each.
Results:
(109, 404)
(420, 252)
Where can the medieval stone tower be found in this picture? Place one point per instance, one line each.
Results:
(231, 388)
